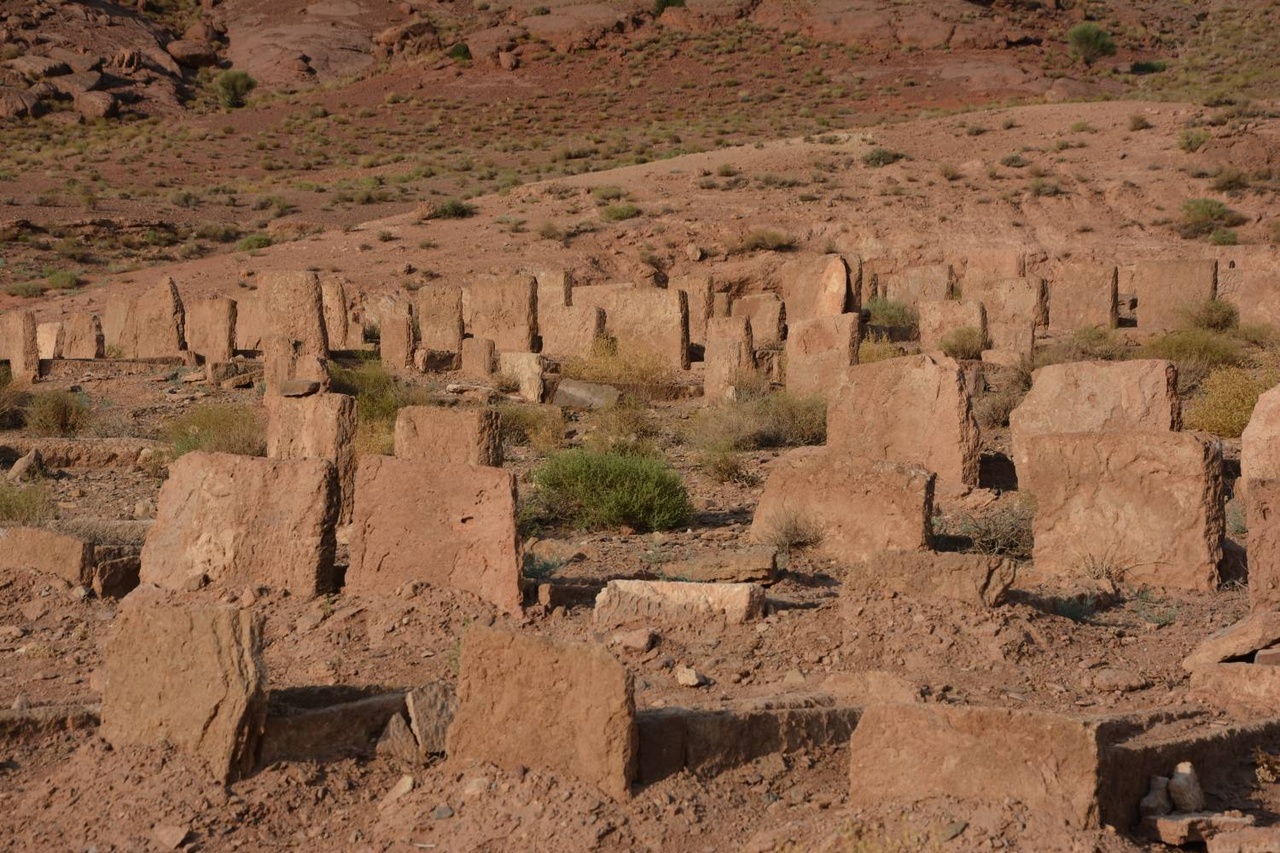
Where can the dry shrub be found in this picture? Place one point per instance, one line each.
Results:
(610, 364)
(219, 428)
(726, 466)
(964, 344)
(56, 413)
(878, 347)
(12, 402)
(626, 428)
(1225, 403)
(776, 420)
(1216, 315)
(540, 428)
(1004, 531)
(28, 505)
(992, 408)
(1087, 344)
(789, 529)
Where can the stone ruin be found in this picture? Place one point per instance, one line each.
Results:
(1122, 496)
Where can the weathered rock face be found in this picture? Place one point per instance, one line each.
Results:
(25, 548)
(820, 286)
(322, 426)
(251, 325)
(1260, 442)
(526, 369)
(678, 602)
(1145, 507)
(976, 579)
(1085, 396)
(537, 702)
(504, 309)
(211, 328)
(455, 436)
(1083, 296)
(730, 354)
(153, 323)
(820, 352)
(479, 358)
(1247, 280)
(767, 315)
(446, 524)
(852, 506)
(698, 291)
(18, 346)
(570, 330)
(643, 321)
(294, 342)
(440, 318)
(912, 410)
(339, 330)
(1263, 505)
(910, 752)
(49, 341)
(940, 318)
(1014, 307)
(241, 520)
(192, 678)
(914, 285)
(396, 342)
(1169, 290)
(82, 337)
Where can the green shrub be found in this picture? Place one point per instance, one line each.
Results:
(1087, 344)
(460, 52)
(12, 403)
(662, 5)
(233, 87)
(1226, 400)
(965, 343)
(253, 242)
(1195, 351)
(56, 413)
(62, 280)
(27, 505)
(1090, 42)
(878, 157)
(1224, 237)
(27, 289)
(593, 491)
(219, 428)
(898, 316)
(619, 212)
(1203, 216)
(452, 208)
(1215, 315)
(1193, 139)
(379, 398)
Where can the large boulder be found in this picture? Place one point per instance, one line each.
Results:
(537, 702)
(1096, 396)
(913, 410)
(1141, 507)
(446, 524)
(852, 507)
(188, 678)
(241, 520)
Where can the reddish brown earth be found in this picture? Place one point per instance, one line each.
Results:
(772, 110)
